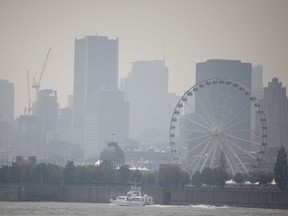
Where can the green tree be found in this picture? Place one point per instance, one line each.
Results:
(84, 174)
(55, 172)
(136, 176)
(264, 178)
(40, 173)
(281, 168)
(172, 175)
(26, 175)
(124, 174)
(14, 174)
(207, 176)
(97, 174)
(148, 178)
(196, 178)
(108, 174)
(219, 176)
(238, 177)
(69, 173)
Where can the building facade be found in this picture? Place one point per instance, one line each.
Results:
(106, 120)
(275, 106)
(151, 106)
(29, 137)
(257, 81)
(48, 109)
(6, 101)
(95, 64)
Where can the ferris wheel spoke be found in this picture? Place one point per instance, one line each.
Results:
(207, 114)
(208, 156)
(236, 131)
(242, 139)
(227, 158)
(197, 146)
(231, 115)
(196, 138)
(222, 117)
(236, 124)
(229, 122)
(241, 149)
(197, 123)
(200, 116)
(212, 161)
(226, 106)
(200, 158)
(237, 158)
(195, 131)
(213, 110)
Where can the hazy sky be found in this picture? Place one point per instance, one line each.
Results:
(254, 31)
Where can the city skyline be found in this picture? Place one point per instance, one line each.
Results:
(180, 33)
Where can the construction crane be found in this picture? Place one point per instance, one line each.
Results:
(36, 84)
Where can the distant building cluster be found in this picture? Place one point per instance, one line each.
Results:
(100, 118)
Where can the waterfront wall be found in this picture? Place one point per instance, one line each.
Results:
(173, 196)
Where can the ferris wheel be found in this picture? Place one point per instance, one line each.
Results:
(218, 121)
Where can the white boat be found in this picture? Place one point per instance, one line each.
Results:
(133, 198)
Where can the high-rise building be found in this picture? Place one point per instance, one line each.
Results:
(222, 112)
(275, 106)
(151, 106)
(6, 101)
(6, 140)
(29, 136)
(96, 63)
(106, 120)
(228, 69)
(48, 109)
(257, 81)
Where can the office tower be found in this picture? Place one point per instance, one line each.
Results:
(96, 63)
(151, 106)
(48, 109)
(229, 70)
(275, 106)
(215, 118)
(6, 101)
(6, 140)
(106, 120)
(29, 136)
(257, 81)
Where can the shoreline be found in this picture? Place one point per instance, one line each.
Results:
(231, 197)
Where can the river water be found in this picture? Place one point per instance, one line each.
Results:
(73, 209)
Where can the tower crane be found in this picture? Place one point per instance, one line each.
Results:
(36, 84)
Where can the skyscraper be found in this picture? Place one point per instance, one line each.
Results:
(146, 89)
(48, 109)
(106, 120)
(96, 63)
(228, 69)
(275, 106)
(6, 101)
(6, 117)
(257, 81)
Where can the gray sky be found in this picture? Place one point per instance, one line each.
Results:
(191, 31)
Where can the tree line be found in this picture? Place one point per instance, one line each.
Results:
(168, 175)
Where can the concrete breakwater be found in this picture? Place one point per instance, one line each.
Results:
(174, 196)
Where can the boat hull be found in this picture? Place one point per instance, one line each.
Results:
(127, 203)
